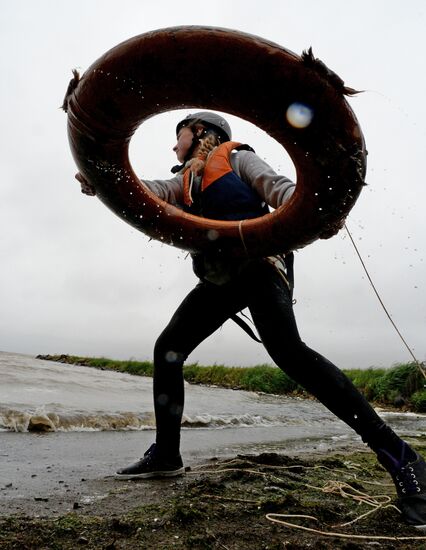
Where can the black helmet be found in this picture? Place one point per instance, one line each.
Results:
(211, 120)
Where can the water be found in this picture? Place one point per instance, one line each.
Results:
(44, 396)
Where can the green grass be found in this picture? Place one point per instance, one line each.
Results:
(401, 386)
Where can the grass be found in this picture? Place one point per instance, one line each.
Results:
(401, 386)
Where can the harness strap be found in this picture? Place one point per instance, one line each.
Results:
(242, 324)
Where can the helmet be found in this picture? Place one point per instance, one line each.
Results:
(211, 120)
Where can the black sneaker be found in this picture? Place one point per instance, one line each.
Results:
(409, 476)
(152, 465)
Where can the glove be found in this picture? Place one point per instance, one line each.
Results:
(86, 187)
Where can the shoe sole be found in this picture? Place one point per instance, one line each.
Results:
(149, 475)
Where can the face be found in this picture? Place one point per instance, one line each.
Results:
(184, 143)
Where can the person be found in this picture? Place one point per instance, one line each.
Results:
(220, 179)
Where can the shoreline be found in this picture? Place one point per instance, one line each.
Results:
(399, 388)
(219, 503)
(57, 490)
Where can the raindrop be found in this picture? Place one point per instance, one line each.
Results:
(299, 115)
(162, 399)
(212, 235)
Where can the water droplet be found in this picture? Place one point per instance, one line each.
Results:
(212, 234)
(299, 115)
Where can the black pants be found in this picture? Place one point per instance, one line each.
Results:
(260, 288)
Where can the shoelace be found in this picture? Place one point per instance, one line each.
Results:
(407, 481)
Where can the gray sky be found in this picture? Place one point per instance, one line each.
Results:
(76, 279)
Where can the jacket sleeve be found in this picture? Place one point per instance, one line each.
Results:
(275, 190)
(169, 190)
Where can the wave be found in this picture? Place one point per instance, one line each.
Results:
(228, 421)
(40, 420)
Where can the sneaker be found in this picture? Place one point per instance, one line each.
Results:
(152, 465)
(409, 476)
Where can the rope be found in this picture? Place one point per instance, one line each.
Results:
(240, 230)
(377, 502)
(416, 361)
(273, 518)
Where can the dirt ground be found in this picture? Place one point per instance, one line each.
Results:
(228, 504)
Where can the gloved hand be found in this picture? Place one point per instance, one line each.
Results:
(86, 187)
(332, 229)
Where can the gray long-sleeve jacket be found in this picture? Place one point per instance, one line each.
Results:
(275, 190)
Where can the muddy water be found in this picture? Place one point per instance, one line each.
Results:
(37, 395)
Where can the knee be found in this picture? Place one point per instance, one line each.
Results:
(167, 353)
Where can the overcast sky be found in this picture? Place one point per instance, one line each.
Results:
(76, 279)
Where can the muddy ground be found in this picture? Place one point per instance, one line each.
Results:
(224, 504)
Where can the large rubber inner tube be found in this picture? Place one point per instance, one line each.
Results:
(241, 74)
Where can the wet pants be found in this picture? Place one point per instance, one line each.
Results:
(262, 289)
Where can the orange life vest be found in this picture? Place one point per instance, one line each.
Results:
(223, 195)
